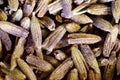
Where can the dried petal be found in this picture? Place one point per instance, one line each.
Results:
(102, 24)
(26, 69)
(67, 6)
(110, 41)
(6, 40)
(36, 35)
(81, 19)
(116, 10)
(51, 41)
(42, 7)
(13, 29)
(83, 38)
(55, 7)
(61, 70)
(79, 63)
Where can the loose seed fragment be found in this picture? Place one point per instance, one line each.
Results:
(83, 38)
(26, 69)
(14, 4)
(98, 9)
(97, 51)
(91, 60)
(42, 65)
(25, 22)
(1, 49)
(110, 41)
(79, 63)
(36, 35)
(116, 10)
(61, 70)
(109, 69)
(55, 7)
(42, 7)
(102, 24)
(13, 29)
(78, 1)
(59, 55)
(51, 41)
(48, 23)
(67, 6)
(73, 75)
(81, 19)
(3, 15)
(117, 46)
(5, 40)
(72, 27)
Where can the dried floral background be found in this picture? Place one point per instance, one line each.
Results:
(59, 40)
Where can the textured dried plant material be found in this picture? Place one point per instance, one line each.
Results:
(79, 62)
(1, 49)
(36, 34)
(110, 41)
(118, 64)
(81, 19)
(102, 24)
(67, 7)
(73, 75)
(54, 7)
(28, 7)
(91, 75)
(52, 60)
(18, 52)
(91, 60)
(72, 27)
(26, 69)
(98, 9)
(83, 38)
(41, 64)
(5, 40)
(25, 22)
(3, 15)
(97, 51)
(82, 6)
(13, 29)
(109, 69)
(13, 4)
(105, 1)
(52, 40)
(17, 16)
(119, 28)
(116, 10)
(48, 23)
(62, 43)
(16, 73)
(29, 45)
(117, 46)
(103, 62)
(61, 70)
(42, 7)
(59, 55)
(19, 49)
(59, 18)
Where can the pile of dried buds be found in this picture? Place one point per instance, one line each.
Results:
(59, 40)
